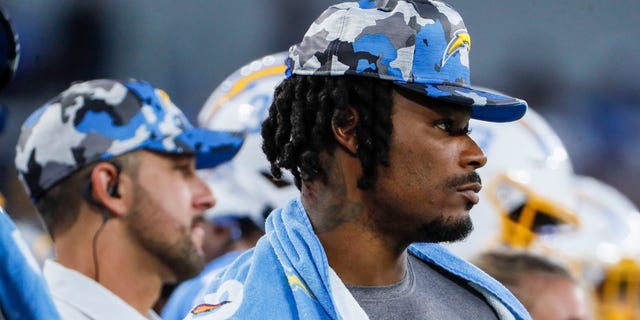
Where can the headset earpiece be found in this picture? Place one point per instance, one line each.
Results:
(113, 190)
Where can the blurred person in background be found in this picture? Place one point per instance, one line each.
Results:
(604, 250)
(111, 167)
(23, 291)
(546, 288)
(245, 189)
(9, 58)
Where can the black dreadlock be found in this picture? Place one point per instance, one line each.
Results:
(298, 127)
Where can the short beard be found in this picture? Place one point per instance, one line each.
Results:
(445, 230)
(180, 256)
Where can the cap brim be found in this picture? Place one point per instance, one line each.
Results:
(210, 147)
(486, 106)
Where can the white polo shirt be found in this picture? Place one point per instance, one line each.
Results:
(77, 296)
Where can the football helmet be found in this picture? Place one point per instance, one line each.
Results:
(244, 186)
(526, 185)
(605, 248)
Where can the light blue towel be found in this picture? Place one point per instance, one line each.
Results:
(23, 292)
(189, 292)
(287, 276)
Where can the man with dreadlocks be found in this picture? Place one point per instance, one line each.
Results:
(372, 120)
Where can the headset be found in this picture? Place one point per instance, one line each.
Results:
(112, 190)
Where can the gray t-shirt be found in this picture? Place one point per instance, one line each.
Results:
(426, 292)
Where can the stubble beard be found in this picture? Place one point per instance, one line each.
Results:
(450, 229)
(445, 230)
(180, 255)
(406, 230)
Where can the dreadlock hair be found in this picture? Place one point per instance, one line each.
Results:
(299, 125)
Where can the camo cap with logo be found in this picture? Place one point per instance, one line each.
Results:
(100, 119)
(421, 45)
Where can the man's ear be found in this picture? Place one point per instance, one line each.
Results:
(345, 131)
(106, 188)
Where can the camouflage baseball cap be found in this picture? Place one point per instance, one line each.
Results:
(421, 45)
(100, 119)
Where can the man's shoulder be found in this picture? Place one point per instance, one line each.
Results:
(244, 287)
(438, 256)
(191, 291)
(76, 296)
(496, 294)
(259, 259)
(67, 310)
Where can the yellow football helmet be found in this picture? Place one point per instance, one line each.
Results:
(605, 248)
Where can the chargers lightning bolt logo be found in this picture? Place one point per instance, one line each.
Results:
(205, 307)
(460, 41)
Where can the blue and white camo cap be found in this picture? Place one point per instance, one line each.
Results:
(100, 119)
(421, 45)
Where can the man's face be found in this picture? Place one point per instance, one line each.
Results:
(166, 216)
(427, 191)
(554, 298)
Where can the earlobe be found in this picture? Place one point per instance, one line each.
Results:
(344, 130)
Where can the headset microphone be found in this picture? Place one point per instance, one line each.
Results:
(112, 190)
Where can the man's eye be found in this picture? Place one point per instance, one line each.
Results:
(447, 126)
(186, 170)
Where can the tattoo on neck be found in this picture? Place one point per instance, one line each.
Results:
(333, 206)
